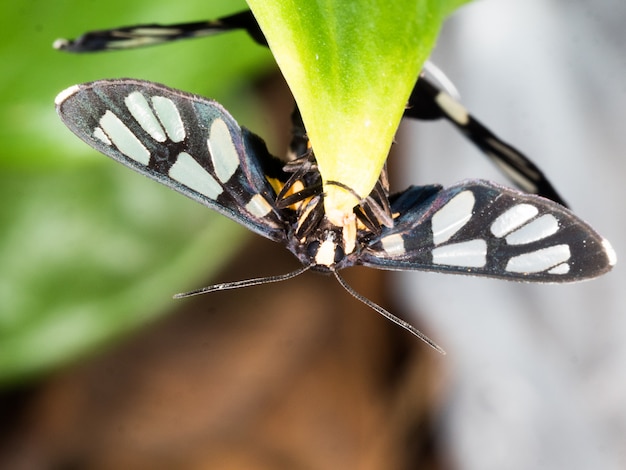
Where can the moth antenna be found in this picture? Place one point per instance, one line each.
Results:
(398, 321)
(245, 283)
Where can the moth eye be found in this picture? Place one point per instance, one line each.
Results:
(339, 254)
(313, 248)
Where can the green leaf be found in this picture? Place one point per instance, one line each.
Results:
(90, 250)
(351, 66)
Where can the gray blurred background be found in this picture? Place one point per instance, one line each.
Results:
(536, 373)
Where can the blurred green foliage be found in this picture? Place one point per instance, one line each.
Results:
(88, 249)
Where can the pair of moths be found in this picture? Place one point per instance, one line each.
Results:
(194, 146)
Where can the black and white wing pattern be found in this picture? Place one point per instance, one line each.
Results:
(428, 102)
(132, 37)
(184, 141)
(194, 146)
(481, 228)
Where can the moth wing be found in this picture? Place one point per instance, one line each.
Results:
(184, 141)
(481, 228)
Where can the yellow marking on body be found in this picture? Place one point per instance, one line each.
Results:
(298, 186)
(275, 183)
(349, 234)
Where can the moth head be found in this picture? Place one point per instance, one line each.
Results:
(325, 251)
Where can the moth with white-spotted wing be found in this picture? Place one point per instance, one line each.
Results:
(194, 146)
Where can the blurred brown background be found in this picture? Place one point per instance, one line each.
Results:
(295, 375)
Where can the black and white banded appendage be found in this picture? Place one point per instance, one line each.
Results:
(132, 37)
(427, 102)
(481, 228)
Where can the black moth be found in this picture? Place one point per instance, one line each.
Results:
(194, 146)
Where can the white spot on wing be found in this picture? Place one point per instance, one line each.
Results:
(156, 31)
(258, 206)
(223, 153)
(393, 244)
(469, 254)
(122, 137)
(170, 118)
(65, 94)
(513, 218)
(610, 252)
(540, 260)
(60, 43)
(141, 111)
(190, 173)
(562, 268)
(452, 217)
(452, 108)
(99, 134)
(542, 227)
